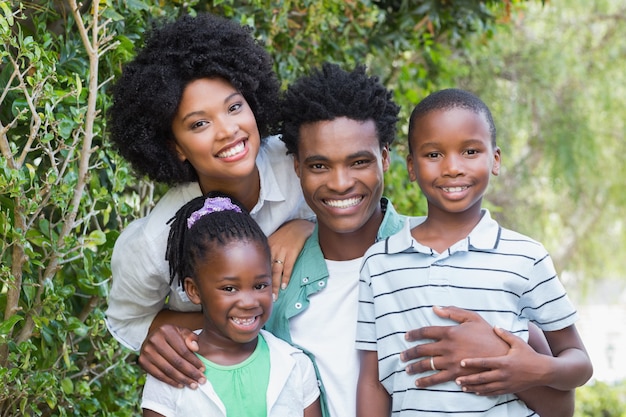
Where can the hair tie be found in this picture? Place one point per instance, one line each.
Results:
(212, 205)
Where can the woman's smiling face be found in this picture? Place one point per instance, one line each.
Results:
(216, 131)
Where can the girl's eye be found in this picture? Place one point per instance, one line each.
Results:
(432, 155)
(229, 289)
(261, 286)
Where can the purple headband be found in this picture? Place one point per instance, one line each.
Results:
(212, 205)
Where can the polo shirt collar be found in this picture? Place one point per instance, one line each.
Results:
(485, 236)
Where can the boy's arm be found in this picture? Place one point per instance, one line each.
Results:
(475, 338)
(504, 372)
(372, 398)
(565, 368)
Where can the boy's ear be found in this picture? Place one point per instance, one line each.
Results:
(192, 290)
(495, 170)
(410, 168)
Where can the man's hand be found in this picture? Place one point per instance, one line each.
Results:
(167, 354)
(473, 337)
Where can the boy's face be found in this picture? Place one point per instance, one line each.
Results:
(234, 287)
(341, 166)
(452, 158)
(216, 132)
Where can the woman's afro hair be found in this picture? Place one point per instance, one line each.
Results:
(148, 92)
(332, 92)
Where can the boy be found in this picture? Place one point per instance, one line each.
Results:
(459, 256)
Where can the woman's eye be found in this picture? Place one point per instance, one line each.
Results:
(199, 124)
(234, 107)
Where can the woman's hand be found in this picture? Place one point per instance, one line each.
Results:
(285, 245)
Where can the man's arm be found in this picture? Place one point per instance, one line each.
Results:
(168, 351)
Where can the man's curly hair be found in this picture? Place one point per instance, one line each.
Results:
(332, 92)
(147, 95)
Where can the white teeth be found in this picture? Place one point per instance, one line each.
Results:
(454, 189)
(232, 151)
(350, 202)
(243, 322)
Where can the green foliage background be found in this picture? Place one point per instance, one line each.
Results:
(65, 196)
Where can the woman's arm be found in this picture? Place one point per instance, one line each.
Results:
(285, 245)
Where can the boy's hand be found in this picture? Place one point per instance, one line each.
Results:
(167, 354)
(506, 374)
(473, 337)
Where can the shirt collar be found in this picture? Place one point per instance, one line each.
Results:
(485, 236)
(270, 189)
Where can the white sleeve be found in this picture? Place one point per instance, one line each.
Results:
(159, 397)
(311, 390)
(140, 284)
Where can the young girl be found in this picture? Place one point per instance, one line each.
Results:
(193, 109)
(222, 258)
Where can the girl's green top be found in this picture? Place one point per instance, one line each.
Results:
(242, 387)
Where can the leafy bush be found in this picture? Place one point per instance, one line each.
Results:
(600, 399)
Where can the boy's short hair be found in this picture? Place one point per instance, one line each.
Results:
(332, 92)
(147, 94)
(449, 99)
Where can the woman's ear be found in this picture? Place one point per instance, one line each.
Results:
(192, 290)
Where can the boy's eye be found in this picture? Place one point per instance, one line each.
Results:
(261, 286)
(229, 289)
(471, 152)
(317, 166)
(432, 154)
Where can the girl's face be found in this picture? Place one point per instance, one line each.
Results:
(216, 131)
(234, 287)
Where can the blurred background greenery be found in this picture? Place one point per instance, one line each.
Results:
(553, 73)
